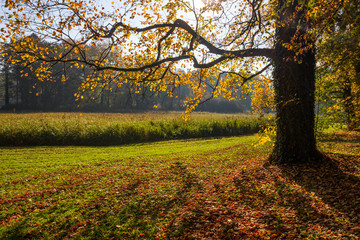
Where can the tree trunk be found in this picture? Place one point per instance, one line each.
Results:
(294, 83)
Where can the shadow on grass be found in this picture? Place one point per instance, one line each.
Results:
(336, 184)
(136, 215)
(277, 202)
(260, 202)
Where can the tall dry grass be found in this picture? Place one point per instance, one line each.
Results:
(115, 128)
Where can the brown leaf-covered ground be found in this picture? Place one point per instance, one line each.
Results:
(264, 201)
(286, 202)
(228, 191)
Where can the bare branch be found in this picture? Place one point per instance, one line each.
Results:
(245, 79)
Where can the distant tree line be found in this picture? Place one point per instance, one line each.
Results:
(21, 90)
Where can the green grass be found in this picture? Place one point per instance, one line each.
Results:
(48, 185)
(217, 188)
(36, 129)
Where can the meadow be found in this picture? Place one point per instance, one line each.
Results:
(98, 129)
(207, 188)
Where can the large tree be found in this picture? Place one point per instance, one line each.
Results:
(160, 43)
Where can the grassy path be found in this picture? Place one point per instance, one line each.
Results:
(197, 189)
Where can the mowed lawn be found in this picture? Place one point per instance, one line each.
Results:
(217, 188)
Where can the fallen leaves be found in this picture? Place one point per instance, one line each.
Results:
(230, 193)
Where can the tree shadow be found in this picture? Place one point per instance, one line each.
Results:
(300, 201)
(336, 182)
(139, 209)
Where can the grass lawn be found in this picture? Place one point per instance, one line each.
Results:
(218, 188)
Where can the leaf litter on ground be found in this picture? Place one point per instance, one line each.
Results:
(228, 193)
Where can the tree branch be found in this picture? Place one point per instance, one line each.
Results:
(256, 52)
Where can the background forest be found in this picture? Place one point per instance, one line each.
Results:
(21, 90)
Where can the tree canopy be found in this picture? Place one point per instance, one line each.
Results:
(149, 42)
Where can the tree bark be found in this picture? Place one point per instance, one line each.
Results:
(294, 83)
